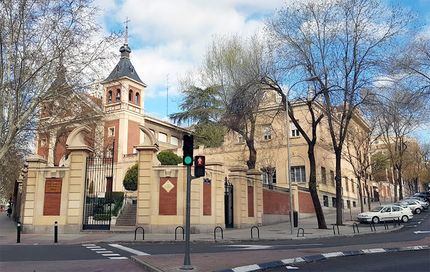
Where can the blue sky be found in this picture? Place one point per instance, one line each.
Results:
(168, 38)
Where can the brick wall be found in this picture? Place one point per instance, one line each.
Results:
(305, 203)
(275, 202)
(207, 199)
(133, 136)
(108, 139)
(168, 196)
(60, 148)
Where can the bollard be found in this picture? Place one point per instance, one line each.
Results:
(56, 232)
(386, 225)
(372, 227)
(337, 226)
(355, 226)
(222, 232)
(258, 232)
(18, 232)
(183, 232)
(303, 232)
(143, 233)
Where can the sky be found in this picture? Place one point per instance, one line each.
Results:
(168, 38)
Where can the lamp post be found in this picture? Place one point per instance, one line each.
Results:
(314, 78)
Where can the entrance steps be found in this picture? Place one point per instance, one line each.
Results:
(127, 216)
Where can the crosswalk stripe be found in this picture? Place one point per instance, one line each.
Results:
(87, 245)
(111, 254)
(106, 251)
(118, 258)
(134, 251)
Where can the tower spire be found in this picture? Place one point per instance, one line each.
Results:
(126, 30)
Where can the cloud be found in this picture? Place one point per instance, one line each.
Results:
(170, 37)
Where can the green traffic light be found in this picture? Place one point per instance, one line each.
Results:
(188, 160)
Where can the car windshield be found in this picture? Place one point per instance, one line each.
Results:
(377, 209)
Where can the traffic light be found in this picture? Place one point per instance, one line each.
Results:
(199, 166)
(187, 149)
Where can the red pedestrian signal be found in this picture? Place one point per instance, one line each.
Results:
(199, 166)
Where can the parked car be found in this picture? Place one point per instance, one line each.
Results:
(413, 205)
(423, 203)
(425, 195)
(386, 213)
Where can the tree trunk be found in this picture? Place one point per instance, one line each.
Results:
(369, 205)
(338, 179)
(313, 188)
(252, 155)
(395, 184)
(399, 176)
(360, 194)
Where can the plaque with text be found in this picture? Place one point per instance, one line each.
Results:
(52, 201)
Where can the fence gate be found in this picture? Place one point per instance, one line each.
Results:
(228, 204)
(98, 193)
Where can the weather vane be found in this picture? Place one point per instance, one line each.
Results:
(126, 30)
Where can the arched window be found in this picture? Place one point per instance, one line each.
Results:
(137, 99)
(118, 95)
(130, 96)
(109, 97)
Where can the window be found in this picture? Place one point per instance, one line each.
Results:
(240, 139)
(294, 131)
(298, 174)
(386, 210)
(130, 96)
(395, 209)
(137, 99)
(323, 175)
(174, 140)
(354, 204)
(325, 200)
(162, 137)
(333, 202)
(348, 204)
(109, 97)
(118, 95)
(346, 184)
(267, 174)
(267, 133)
(332, 177)
(111, 131)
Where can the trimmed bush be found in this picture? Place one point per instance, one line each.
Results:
(168, 158)
(101, 217)
(130, 179)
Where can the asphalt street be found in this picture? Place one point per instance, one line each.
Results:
(417, 229)
(417, 261)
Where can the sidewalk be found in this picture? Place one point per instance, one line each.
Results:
(126, 234)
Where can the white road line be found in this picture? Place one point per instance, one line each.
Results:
(293, 260)
(134, 251)
(90, 247)
(246, 268)
(106, 251)
(333, 254)
(118, 258)
(373, 250)
(112, 254)
(291, 267)
(94, 249)
(85, 245)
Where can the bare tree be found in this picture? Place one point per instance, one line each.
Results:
(37, 40)
(340, 43)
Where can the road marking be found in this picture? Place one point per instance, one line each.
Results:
(85, 245)
(111, 254)
(134, 251)
(90, 247)
(118, 258)
(422, 231)
(246, 268)
(95, 249)
(373, 250)
(293, 260)
(332, 254)
(106, 251)
(419, 222)
(291, 267)
(251, 247)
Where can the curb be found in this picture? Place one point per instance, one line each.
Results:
(146, 266)
(319, 257)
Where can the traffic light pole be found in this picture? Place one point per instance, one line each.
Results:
(187, 261)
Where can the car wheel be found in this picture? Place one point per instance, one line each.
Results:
(405, 219)
(375, 220)
(417, 210)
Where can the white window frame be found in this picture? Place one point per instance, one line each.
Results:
(294, 132)
(267, 133)
(298, 174)
(162, 137)
(174, 140)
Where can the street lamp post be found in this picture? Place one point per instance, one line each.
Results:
(313, 78)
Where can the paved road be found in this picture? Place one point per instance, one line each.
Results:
(417, 261)
(17, 253)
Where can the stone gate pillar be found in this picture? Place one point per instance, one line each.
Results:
(237, 177)
(256, 187)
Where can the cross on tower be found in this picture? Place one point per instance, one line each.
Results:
(126, 30)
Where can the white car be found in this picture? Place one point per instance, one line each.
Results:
(424, 204)
(413, 205)
(386, 213)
